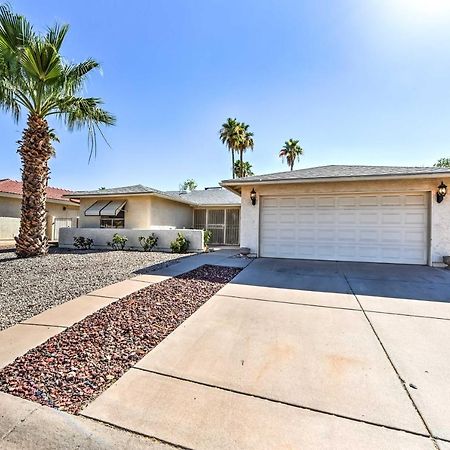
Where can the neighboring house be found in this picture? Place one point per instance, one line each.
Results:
(145, 208)
(61, 211)
(347, 213)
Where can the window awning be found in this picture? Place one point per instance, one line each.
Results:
(113, 208)
(105, 208)
(95, 209)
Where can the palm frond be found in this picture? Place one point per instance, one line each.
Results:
(55, 35)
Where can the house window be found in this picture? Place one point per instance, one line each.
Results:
(117, 221)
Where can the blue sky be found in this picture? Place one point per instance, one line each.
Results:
(357, 82)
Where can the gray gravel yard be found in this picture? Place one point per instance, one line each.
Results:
(30, 286)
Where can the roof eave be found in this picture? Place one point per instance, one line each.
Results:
(129, 194)
(233, 184)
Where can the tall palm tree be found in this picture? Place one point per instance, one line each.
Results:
(243, 169)
(230, 137)
(245, 142)
(291, 151)
(35, 79)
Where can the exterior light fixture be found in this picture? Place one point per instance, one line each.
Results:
(441, 192)
(253, 197)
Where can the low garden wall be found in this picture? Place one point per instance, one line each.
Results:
(9, 227)
(102, 236)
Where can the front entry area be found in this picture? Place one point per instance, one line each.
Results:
(387, 228)
(223, 224)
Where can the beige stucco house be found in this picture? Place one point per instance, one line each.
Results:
(140, 207)
(347, 213)
(61, 211)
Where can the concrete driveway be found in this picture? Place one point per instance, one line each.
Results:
(300, 354)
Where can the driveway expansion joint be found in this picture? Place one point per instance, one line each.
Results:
(128, 430)
(286, 302)
(293, 405)
(402, 381)
(42, 325)
(407, 315)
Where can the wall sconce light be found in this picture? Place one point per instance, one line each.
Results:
(441, 192)
(253, 197)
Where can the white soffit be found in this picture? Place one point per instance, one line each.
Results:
(94, 210)
(113, 208)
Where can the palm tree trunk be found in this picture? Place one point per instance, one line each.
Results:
(241, 159)
(232, 163)
(35, 150)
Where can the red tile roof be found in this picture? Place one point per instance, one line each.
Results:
(8, 186)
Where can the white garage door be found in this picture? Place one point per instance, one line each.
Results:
(362, 227)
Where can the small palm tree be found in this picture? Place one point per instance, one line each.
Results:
(35, 78)
(230, 137)
(291, 151)
(243, 169)
(443, 162)
(245, 142)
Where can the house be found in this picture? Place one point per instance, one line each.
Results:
(61, 211)
(140, 207)
(347, 213)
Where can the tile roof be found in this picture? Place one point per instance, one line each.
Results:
(8, 186)
(209, 196)
(340, 171)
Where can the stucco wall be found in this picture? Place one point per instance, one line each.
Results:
(440, 213)
(9, 228)
(10, 207)
(103, 235)
(168, 213)
(137, 212)
(142, 212)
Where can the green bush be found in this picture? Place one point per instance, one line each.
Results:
(149, 242)
(207, 234)
(82, 243)
(180, 244)
(118, 242)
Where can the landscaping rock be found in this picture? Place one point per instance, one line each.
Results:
(30, 286)
(72, 368)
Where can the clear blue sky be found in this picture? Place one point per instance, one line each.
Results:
(358, 82)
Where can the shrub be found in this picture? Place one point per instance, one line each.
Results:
(148, 243)
(118, 242)
(82, 243)
(180, 244)
(207, 234)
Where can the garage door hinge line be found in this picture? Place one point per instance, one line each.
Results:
(402, 381)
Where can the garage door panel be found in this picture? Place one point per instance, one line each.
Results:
(378, 228)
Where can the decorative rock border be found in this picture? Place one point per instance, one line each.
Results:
(75, 366)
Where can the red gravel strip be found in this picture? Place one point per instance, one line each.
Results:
(72, 368)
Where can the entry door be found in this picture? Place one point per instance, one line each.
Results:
(389, 228)
(216, 224)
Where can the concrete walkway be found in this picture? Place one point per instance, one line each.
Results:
(296, 354)
(291, 354)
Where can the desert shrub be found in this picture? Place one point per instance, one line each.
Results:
(149, 242)
(180, 244)
(82, 243)
(207, 234)
(118, 242)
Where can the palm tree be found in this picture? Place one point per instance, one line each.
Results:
(443, 162)
(34, 78)
(243, 169)
(291, 151)
(229, 136)
(245, 141)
